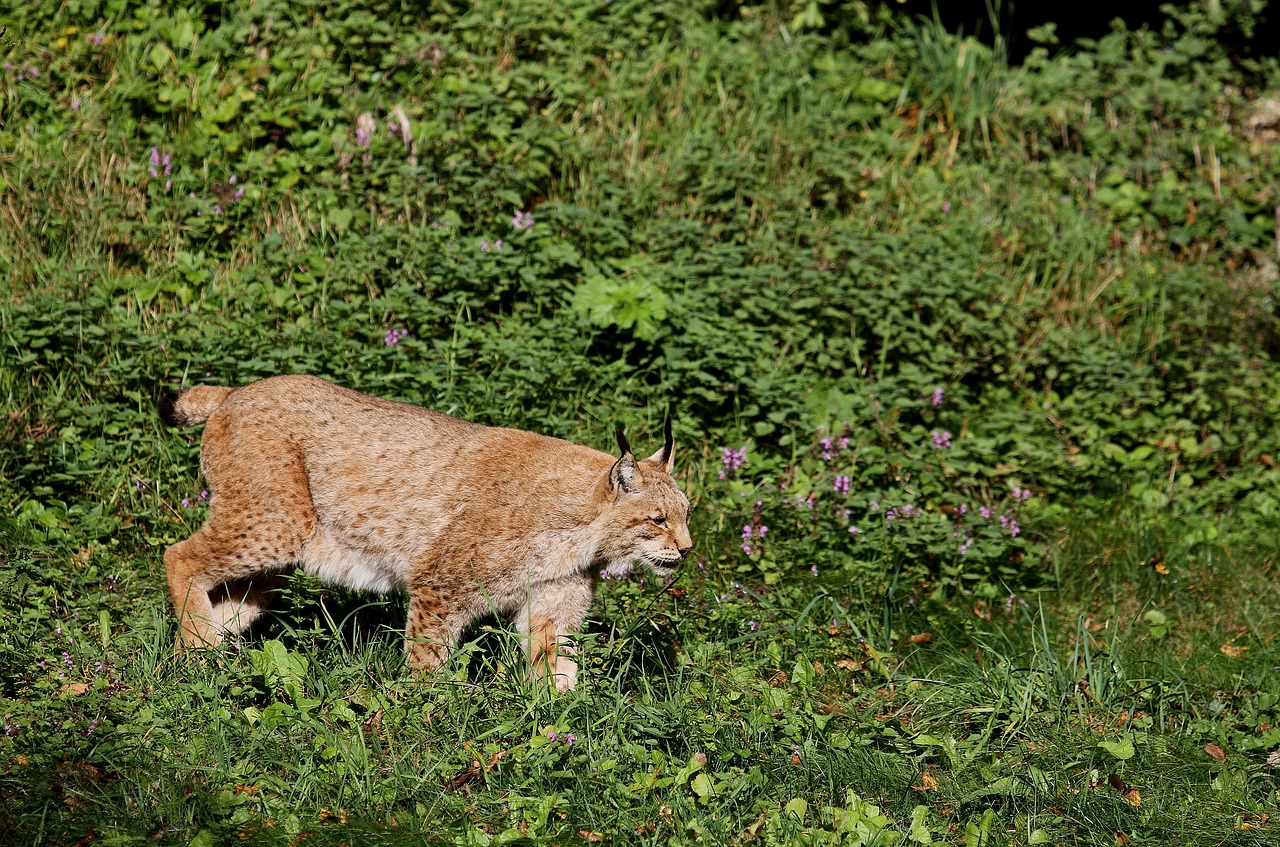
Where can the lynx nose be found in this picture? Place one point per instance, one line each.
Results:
(684, 551)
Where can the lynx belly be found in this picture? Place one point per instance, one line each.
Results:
(329, 560)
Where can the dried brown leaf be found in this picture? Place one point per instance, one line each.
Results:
(928, 782)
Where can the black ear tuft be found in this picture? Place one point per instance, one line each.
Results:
(168, 408)
(623, 444)
(668, 439)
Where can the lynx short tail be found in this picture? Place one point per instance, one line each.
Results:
(192, 405)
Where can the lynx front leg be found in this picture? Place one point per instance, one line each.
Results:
(552, 614)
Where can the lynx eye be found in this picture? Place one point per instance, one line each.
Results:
(659, 520)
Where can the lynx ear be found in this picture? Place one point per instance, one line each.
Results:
(624, 447)
(625, 476)
(666, 456)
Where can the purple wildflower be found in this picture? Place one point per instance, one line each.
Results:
(937, 396)
(186, 504)
(964, 547)
(732, 460)
(853, 530)
(96, 38)
(985, 512)
(363, 137)
(394, 336)
(941, 439)
(752, 625)
(522, 220)
(842, 484)
(551, 734)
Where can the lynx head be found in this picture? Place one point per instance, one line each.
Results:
(648, 514)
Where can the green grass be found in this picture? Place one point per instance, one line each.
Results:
(1004, 710)
(929, 296)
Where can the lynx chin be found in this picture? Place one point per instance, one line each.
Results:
(374, 495)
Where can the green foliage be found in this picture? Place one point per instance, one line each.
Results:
(986, 355)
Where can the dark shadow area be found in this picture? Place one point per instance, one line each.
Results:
(299, 606)
(630, 648)
(974, 17)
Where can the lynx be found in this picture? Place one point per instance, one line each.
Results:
(375, 495)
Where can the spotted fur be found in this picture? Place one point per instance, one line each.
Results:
(377, 496)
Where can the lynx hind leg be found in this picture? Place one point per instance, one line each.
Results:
(184, 564)
(261, 518)
(220, 583)
(553, 613)
(238, 604)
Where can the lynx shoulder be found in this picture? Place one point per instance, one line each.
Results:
(376, 495)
